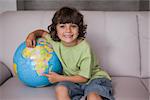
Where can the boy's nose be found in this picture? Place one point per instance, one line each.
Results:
(68, 29)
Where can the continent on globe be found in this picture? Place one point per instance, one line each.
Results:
(31, 63)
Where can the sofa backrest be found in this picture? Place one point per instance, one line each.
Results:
(114, 36)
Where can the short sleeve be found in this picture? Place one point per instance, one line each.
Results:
(48, 39)
(85, 64)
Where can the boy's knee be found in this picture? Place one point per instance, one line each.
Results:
(93, 96)
(61, 88)
(62, 92)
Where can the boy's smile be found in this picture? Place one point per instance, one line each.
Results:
(68, 33)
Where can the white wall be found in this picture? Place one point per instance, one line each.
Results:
(6, 5)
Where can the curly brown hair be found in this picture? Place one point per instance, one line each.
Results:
(67, 15)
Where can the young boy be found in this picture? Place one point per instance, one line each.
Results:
(82, 76)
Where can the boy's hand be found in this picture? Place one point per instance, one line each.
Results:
(31, 40)
(53, 77)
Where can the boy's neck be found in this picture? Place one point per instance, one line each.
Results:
(70, 44)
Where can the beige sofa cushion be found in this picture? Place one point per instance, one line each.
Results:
(114, 38)
(129, 88)
(112, 35)
(13, 89)
(125, 88)
(146, 82)
(144, 29)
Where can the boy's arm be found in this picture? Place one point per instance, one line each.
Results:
(54, 77)
(75, 79)
(31, 38)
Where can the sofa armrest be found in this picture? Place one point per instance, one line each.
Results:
(4, 73)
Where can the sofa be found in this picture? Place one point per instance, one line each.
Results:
(120, 40)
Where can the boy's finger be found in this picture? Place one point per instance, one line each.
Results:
(34, 43)
(45, 75)
(50, 73)
(29, 43)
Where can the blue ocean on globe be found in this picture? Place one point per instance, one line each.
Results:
(31, 63)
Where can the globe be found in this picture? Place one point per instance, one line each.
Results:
(31, 63)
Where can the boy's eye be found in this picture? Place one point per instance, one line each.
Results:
(62, 26)
(74, 26)
(65, 25)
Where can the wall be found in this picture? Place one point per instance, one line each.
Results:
(103, 5)
(6, 5)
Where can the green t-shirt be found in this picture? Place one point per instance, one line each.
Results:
(78, 60)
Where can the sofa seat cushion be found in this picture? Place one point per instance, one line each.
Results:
(125, 88)
(13, 89)
(129, 88)
(146, 82)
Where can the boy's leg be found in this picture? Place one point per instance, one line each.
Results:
(94, 96)
(62, 93)
(101, 87)
(70, 90)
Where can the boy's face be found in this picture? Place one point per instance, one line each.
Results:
(67, 33)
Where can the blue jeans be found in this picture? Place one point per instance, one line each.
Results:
(101, 86)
